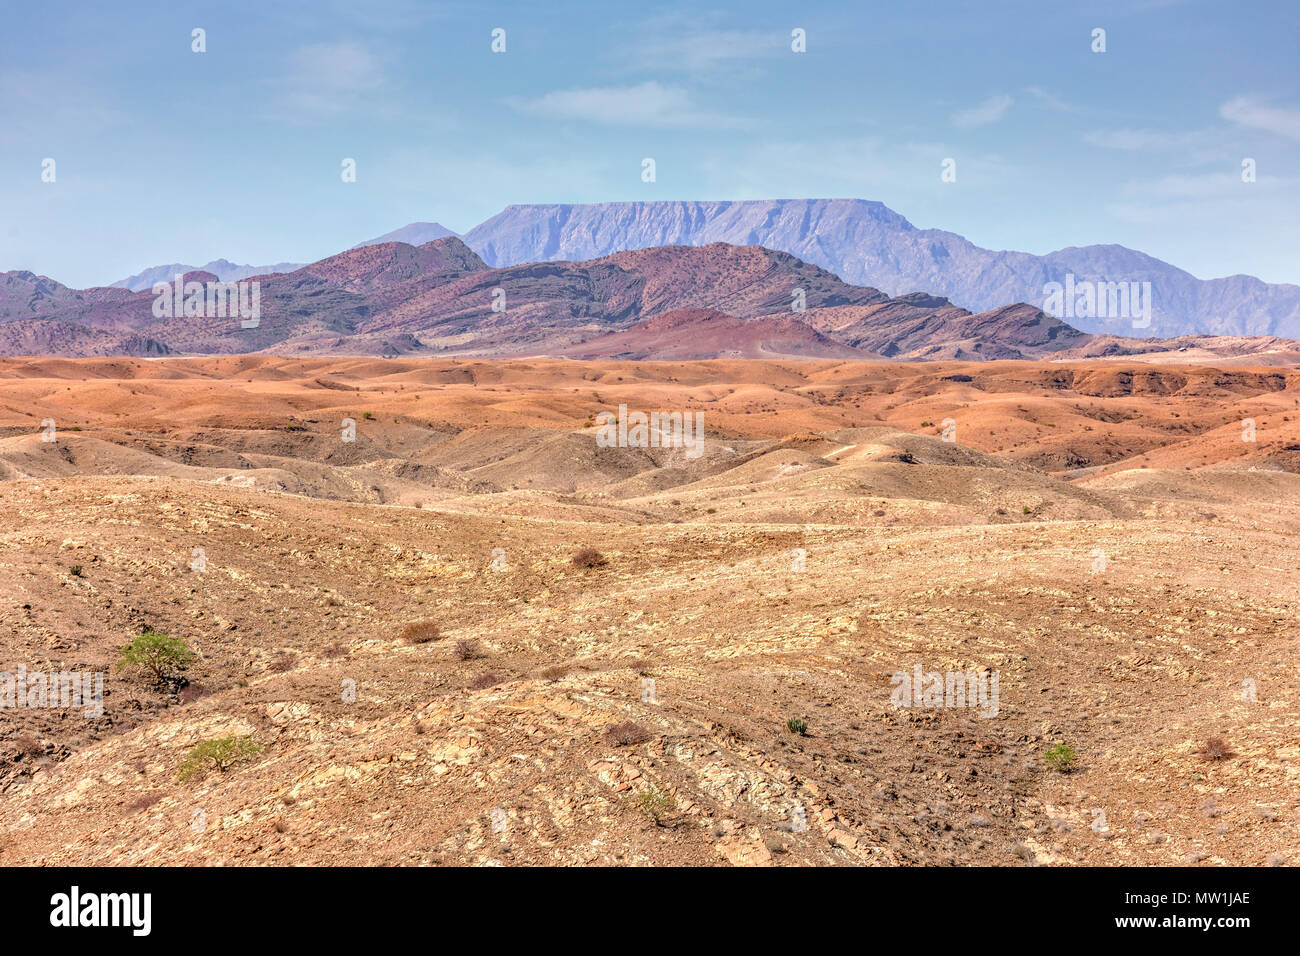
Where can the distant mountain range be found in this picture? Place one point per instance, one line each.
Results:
(867, 243)
(414, 234)
(668, 302)
(864, 243)
(223, 269)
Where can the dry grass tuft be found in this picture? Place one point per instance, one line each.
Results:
(469, 651)
(1215, 749)
(421, 632)
(589, 558)
(626, 734)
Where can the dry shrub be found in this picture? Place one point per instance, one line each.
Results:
(28, 745)
(556, 672)
(421, 632)
(626, 734)
(335, 650)
(1215, 748)
(470, 651)
(485, 680)
(589, 558)
(284, 661)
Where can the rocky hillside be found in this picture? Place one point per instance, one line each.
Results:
(441, 298)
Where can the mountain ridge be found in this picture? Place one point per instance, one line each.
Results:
(442, 299)
(865, 243)
(223, 269)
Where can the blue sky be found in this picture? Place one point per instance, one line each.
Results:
(164, 155)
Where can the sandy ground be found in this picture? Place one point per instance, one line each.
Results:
(1098, 537)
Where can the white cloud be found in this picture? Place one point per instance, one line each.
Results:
(989, 111)
(330, 78)
(1050, 100)
(1251, 112)
(1199, 198)
(646, 104)
(699, 43)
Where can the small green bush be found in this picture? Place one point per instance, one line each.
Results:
(1061, 758)
(656, 804)
(797, 725)
(219, 754)
(158, 654)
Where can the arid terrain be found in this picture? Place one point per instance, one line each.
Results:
(1103, 535)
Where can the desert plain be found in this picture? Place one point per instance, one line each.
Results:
(1114, 539)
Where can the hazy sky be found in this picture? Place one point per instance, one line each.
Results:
(163, 155)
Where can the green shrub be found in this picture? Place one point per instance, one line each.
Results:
(656, 804)
(158, 654)
(1061, 758)
(797, 725)
(219, 754)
